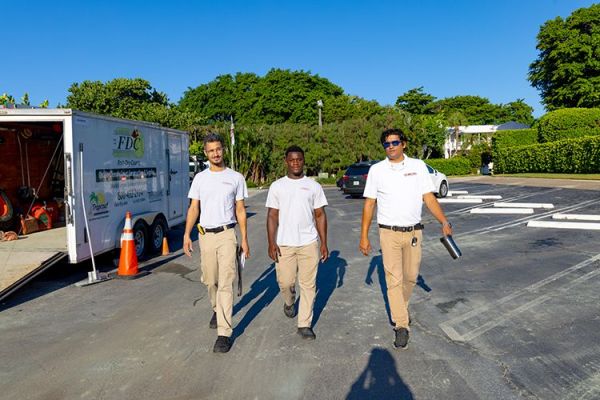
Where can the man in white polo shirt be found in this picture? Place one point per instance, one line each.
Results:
(399, 185)
(217, 194)
(295, 220)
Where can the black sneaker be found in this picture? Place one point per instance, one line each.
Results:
(289, 311)
(401, 341)
(307, 333)
(213, 321)
(222, 345)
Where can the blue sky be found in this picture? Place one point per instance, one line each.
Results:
(373, 49)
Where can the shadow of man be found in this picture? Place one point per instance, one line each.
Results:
(377, 264)
(266, 287)
(329, 277)
(380, 380)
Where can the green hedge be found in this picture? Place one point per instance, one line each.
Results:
(572, 156)
(502, 140)
(568, 123)
(451, 166)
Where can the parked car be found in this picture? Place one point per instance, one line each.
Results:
(440, 181)
(355, 178)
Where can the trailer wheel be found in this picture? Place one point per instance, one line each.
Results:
(140, 236)
(158, 232)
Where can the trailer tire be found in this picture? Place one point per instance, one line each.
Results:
(140, 237)
(158, 232)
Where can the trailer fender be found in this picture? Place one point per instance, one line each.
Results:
(148, 218)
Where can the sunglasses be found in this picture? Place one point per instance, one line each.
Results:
(395, 143)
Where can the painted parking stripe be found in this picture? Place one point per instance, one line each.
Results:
(523, 220)
(478, 321)
(524, 205)
(455, 192)
(564, 225)
(481, 196)
(469, 201)
(577, 217)
(502, 211)
(517, 197)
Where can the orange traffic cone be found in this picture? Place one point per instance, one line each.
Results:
(165, 247)
(128, 262)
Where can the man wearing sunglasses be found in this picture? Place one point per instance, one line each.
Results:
(399, 185)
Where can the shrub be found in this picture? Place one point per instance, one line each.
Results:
(451, 166)
(502, 140)
(327, 181)
(569, 123)
(574, 156)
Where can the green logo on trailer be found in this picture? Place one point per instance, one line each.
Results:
(128, 143)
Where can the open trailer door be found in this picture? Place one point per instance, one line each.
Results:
(20, 261)
(32, 184)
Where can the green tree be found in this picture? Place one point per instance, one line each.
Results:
(132, 99)
(278, 97)
(518, 111)
(8, 100)
(477, 110)
(414, 101)
(567, 69)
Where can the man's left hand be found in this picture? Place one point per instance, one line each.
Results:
(324, 252)
(245, 248)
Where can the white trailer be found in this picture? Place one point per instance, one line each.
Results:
(61, 167)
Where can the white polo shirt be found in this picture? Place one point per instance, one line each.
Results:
(296, 200)
(218, 191)
(398, 189)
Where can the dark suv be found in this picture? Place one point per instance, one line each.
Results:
(355, 178)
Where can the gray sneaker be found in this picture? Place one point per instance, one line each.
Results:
(222, 345)
(307, 333)
(401, 340)
(213, 321)
(289, 311)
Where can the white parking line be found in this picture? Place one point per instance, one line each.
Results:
(502, 211)
(454, 192)
(497, 313)
(470, 201)
(577, 217)
(519, 221)
(564, 225)
(481, 196)
(524, 205)
(518, 197)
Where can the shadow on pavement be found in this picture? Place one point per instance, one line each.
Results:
(329, 277)
(380, 380)
(264, 286)
(377, 264)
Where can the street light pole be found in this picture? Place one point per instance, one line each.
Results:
(320, 105)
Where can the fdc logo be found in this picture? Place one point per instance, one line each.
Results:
(127, 143)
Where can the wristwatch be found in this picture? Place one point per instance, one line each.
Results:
(447, 223)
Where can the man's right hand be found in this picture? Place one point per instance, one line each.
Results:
(274, 252)
(187, 245)
(365, 246)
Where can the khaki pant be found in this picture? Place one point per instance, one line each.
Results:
(301, 261)
(217, 261)
(401, 263)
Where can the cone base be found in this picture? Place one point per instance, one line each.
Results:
(116, 275)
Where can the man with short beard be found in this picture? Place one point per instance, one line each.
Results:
(217, 195)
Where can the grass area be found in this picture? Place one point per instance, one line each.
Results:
(590, 177)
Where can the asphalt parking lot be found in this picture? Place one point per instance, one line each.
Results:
(516, 317)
